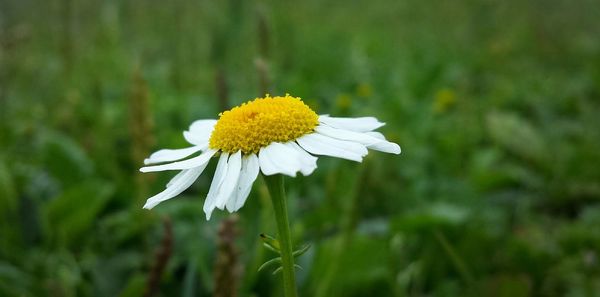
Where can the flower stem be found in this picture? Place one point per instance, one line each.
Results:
(275, 186)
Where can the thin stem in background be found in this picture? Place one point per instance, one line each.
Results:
(458, 262)
(161, 259)
(228, 270)
(277, 192)
(141, 129)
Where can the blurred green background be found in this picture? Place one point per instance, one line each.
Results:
(495, 104)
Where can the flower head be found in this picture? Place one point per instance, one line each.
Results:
(275, 135)
(260, 122)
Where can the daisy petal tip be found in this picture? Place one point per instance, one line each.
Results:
(308, 171)
(146, 169)
(399, 150)
(148, 205)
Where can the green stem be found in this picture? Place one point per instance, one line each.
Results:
(275, 186)
(458, 262)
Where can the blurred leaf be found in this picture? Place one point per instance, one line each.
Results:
(118, 273)
(71, 215)
(8, 212)
(508, 286)
(432, 216)
(124, 226)
(517, 135)
(135, 286)
(190, 282)
(363, 268)
(65, 159)
(8, 197)
(13, 281)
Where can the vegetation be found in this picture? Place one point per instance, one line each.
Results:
(495, 105)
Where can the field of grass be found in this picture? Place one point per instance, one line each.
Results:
(496, 105)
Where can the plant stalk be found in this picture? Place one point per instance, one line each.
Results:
(275, 186)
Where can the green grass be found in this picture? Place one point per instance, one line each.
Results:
(495, 105)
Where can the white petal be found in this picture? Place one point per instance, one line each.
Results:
(181, 165)
(363, 124)
(176, 178)
(195, 139)
(202, 125)
(199, 132)
(386, 147)
(215, 185)
(343, 134)
(248, 174)
(375, 143)
(180, 183)
(309, 162)
(234, 166)
(278, 158)
(376, 134)
(323, 145)
(168, 155)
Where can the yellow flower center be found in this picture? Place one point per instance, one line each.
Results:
(258, 123)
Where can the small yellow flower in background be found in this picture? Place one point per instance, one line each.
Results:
(343, 101)
(364, 90)
(275, 135)
(444, 100)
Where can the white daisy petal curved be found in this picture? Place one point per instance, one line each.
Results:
(234, 166)
(168, 155)
(323, 145)
(201, 126)
(199, 132)
(278, 158)
(215, 185)
(386, 147)
(348, 135)
(194, 139)
(182, 165)
(369, 141)
(364, 124)
(376, 134)
(248, 174)
(308, 161)
(176, 178)
(180, 183)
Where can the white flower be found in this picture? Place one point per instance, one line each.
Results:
(273, 135)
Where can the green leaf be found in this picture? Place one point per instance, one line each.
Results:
(301, 251)
(432, 216)
(270, 242)
(269, 263)
(517, 135)
(65, 159)
(135, 286)
(278, 270)
(71, 215)
(13, 281)
(8, 197)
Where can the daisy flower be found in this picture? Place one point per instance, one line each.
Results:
(273, 135)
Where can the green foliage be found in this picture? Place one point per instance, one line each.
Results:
(495, 105)
(71, 216)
